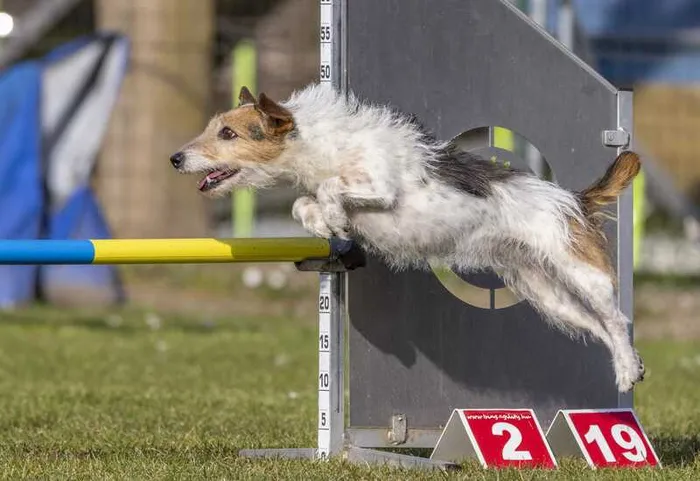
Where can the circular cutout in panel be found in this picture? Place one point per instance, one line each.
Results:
(485, 289)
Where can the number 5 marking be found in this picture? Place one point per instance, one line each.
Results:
(510, 449)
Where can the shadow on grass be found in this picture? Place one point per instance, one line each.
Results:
(677, 450)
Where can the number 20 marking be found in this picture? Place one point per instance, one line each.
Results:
(510, 449)
(636, 451)
(324, 302)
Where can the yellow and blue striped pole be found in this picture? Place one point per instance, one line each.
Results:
(167, 251)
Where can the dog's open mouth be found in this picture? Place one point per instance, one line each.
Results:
(215, 178)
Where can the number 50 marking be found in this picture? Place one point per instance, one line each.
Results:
(510, 449)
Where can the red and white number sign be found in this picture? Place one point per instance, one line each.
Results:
(497, 437)
(605, 438)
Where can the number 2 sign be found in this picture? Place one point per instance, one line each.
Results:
(497, 437)
(605, 438)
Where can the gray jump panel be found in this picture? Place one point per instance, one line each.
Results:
(414, 348)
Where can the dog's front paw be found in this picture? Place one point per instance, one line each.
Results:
(336, 219)
(307, 211)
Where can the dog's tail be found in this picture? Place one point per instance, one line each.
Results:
(606, 189)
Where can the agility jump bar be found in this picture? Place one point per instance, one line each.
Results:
(168, 251)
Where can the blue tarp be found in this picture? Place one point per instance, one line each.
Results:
(44, 175)
(81, 81)
(21, 198)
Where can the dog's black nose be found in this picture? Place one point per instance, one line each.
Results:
(177, 159)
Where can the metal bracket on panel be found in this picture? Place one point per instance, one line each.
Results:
(616, 138)
(399, 429)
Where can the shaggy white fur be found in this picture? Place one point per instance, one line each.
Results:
(395, 206)
(372, 174)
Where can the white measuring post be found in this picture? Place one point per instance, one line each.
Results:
(331, 290)
(330, 377)
(331, 400)
(326, 41)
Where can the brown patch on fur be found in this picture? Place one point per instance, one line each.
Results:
(255, 141)
(260, 126)
(279, 120)
(261, 146)
(590, 244)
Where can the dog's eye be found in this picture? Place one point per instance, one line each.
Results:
(227, 134)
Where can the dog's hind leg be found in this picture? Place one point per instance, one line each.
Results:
(555, 302)
(595, 291)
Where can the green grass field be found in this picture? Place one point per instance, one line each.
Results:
(130, 395)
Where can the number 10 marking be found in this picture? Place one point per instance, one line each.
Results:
(324, 381)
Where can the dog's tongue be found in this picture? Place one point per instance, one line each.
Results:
(211, 177)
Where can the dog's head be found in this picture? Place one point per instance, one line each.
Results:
(241, 147)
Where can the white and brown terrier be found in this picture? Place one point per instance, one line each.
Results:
(374, 175)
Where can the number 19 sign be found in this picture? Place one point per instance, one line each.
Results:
(605, 438)
(496, 437)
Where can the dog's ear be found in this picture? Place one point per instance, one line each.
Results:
(245, 97)
(279, 120)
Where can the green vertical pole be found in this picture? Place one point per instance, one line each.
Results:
(638, 216)
(244, 65)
